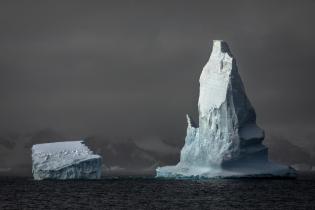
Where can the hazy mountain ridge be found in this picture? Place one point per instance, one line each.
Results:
(126, 155)
(283, 151)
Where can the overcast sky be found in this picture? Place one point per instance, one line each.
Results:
(131, 68)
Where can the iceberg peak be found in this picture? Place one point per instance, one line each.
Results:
(219, 47)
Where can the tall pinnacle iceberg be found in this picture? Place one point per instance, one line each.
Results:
(227, 142)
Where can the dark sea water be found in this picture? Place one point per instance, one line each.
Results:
(149, 193)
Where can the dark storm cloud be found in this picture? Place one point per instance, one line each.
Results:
(131, 68)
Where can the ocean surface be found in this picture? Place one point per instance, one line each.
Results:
(150, 193)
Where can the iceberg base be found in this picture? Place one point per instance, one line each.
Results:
(261, 170)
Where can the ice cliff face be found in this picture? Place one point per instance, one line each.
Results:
(227, 136)
(226, 118)
(65, 160)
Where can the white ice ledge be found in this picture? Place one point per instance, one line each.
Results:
(65, 160)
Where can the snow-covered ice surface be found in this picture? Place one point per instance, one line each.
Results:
(227, 143)
(65, 160)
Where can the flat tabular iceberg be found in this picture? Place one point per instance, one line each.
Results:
(227, 143)
(65, 160)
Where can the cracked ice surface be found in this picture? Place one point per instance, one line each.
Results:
(65, 160)
(227, 142)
